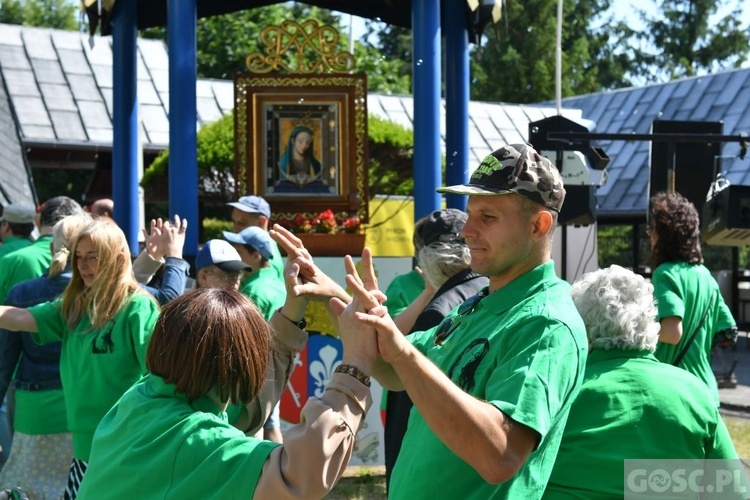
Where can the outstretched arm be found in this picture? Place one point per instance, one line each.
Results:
(17, 319)
(304, 282)
(152, 257)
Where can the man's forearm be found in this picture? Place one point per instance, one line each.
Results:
(479, 433)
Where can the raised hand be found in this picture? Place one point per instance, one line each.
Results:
(152, 239)
(292, 245)
(303, 278)
(366, 315)
(173, 236)
(359, 340)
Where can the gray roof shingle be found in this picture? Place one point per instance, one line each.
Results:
(717, 97)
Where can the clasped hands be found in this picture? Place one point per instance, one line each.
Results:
(365, 328)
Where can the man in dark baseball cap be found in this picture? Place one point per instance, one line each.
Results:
(506, 363)
(443, 226)
(516, 168)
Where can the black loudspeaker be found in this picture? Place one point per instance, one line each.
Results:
(693, 161)
(726, 217)
(579, 208)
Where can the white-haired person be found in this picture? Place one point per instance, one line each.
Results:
(631, 406)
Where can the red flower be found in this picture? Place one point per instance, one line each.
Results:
(326, 223)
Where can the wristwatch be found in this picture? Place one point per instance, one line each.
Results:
(301, 324)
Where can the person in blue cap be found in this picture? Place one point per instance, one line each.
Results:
(263, 286)
(254, 211)
(219, 266)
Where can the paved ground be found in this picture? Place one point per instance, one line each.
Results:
(735, 399)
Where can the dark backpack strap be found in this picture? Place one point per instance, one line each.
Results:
(689, 342)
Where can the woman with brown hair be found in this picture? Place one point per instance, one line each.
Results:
(169, 436)
(104, 320)
(691, 307)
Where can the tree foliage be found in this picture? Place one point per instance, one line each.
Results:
(215, 155)
(687, 38)
(57, 14)
(224, 42)
(391, 149)
(517, 62)
(387, 60)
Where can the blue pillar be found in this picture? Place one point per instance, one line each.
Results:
(183, 163)
(125, 147)
(426, 90)
(456, 100)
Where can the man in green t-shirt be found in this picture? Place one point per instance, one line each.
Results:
(35, 258)
(630, 406)
(16, 226)
(492, 384)
(691, 307)
(260, 284)
(254, 211)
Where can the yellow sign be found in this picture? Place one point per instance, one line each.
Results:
(391, 228)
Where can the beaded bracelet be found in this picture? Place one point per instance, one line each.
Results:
(354, 372)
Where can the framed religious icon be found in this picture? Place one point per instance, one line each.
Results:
(301, 142)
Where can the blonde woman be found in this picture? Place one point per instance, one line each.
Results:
(42, 445)
(104, 320)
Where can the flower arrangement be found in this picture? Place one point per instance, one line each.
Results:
(325, 222)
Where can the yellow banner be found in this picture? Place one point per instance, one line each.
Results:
(391, 227)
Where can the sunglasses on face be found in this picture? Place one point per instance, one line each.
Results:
(449, 325)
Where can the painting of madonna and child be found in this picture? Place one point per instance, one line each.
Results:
(302, 155)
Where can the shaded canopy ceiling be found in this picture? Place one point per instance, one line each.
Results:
(397, 12)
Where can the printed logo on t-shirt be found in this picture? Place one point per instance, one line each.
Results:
(466, 364)
(103, 341)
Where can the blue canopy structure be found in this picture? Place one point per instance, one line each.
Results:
(423, 16)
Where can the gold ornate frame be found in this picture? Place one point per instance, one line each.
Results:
(334, 107)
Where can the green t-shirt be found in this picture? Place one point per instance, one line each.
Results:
(685, 290)
(97, 367)
(506, 351)
(13, 243)
(155, 444)
(402, 291)
(265, 289)
(631, 406)
(277, 263)
(40, 412)
(21, 266)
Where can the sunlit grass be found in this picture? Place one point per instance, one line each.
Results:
(739, 429)
(360, 483)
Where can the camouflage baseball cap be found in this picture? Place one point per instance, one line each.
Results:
(516, 168)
